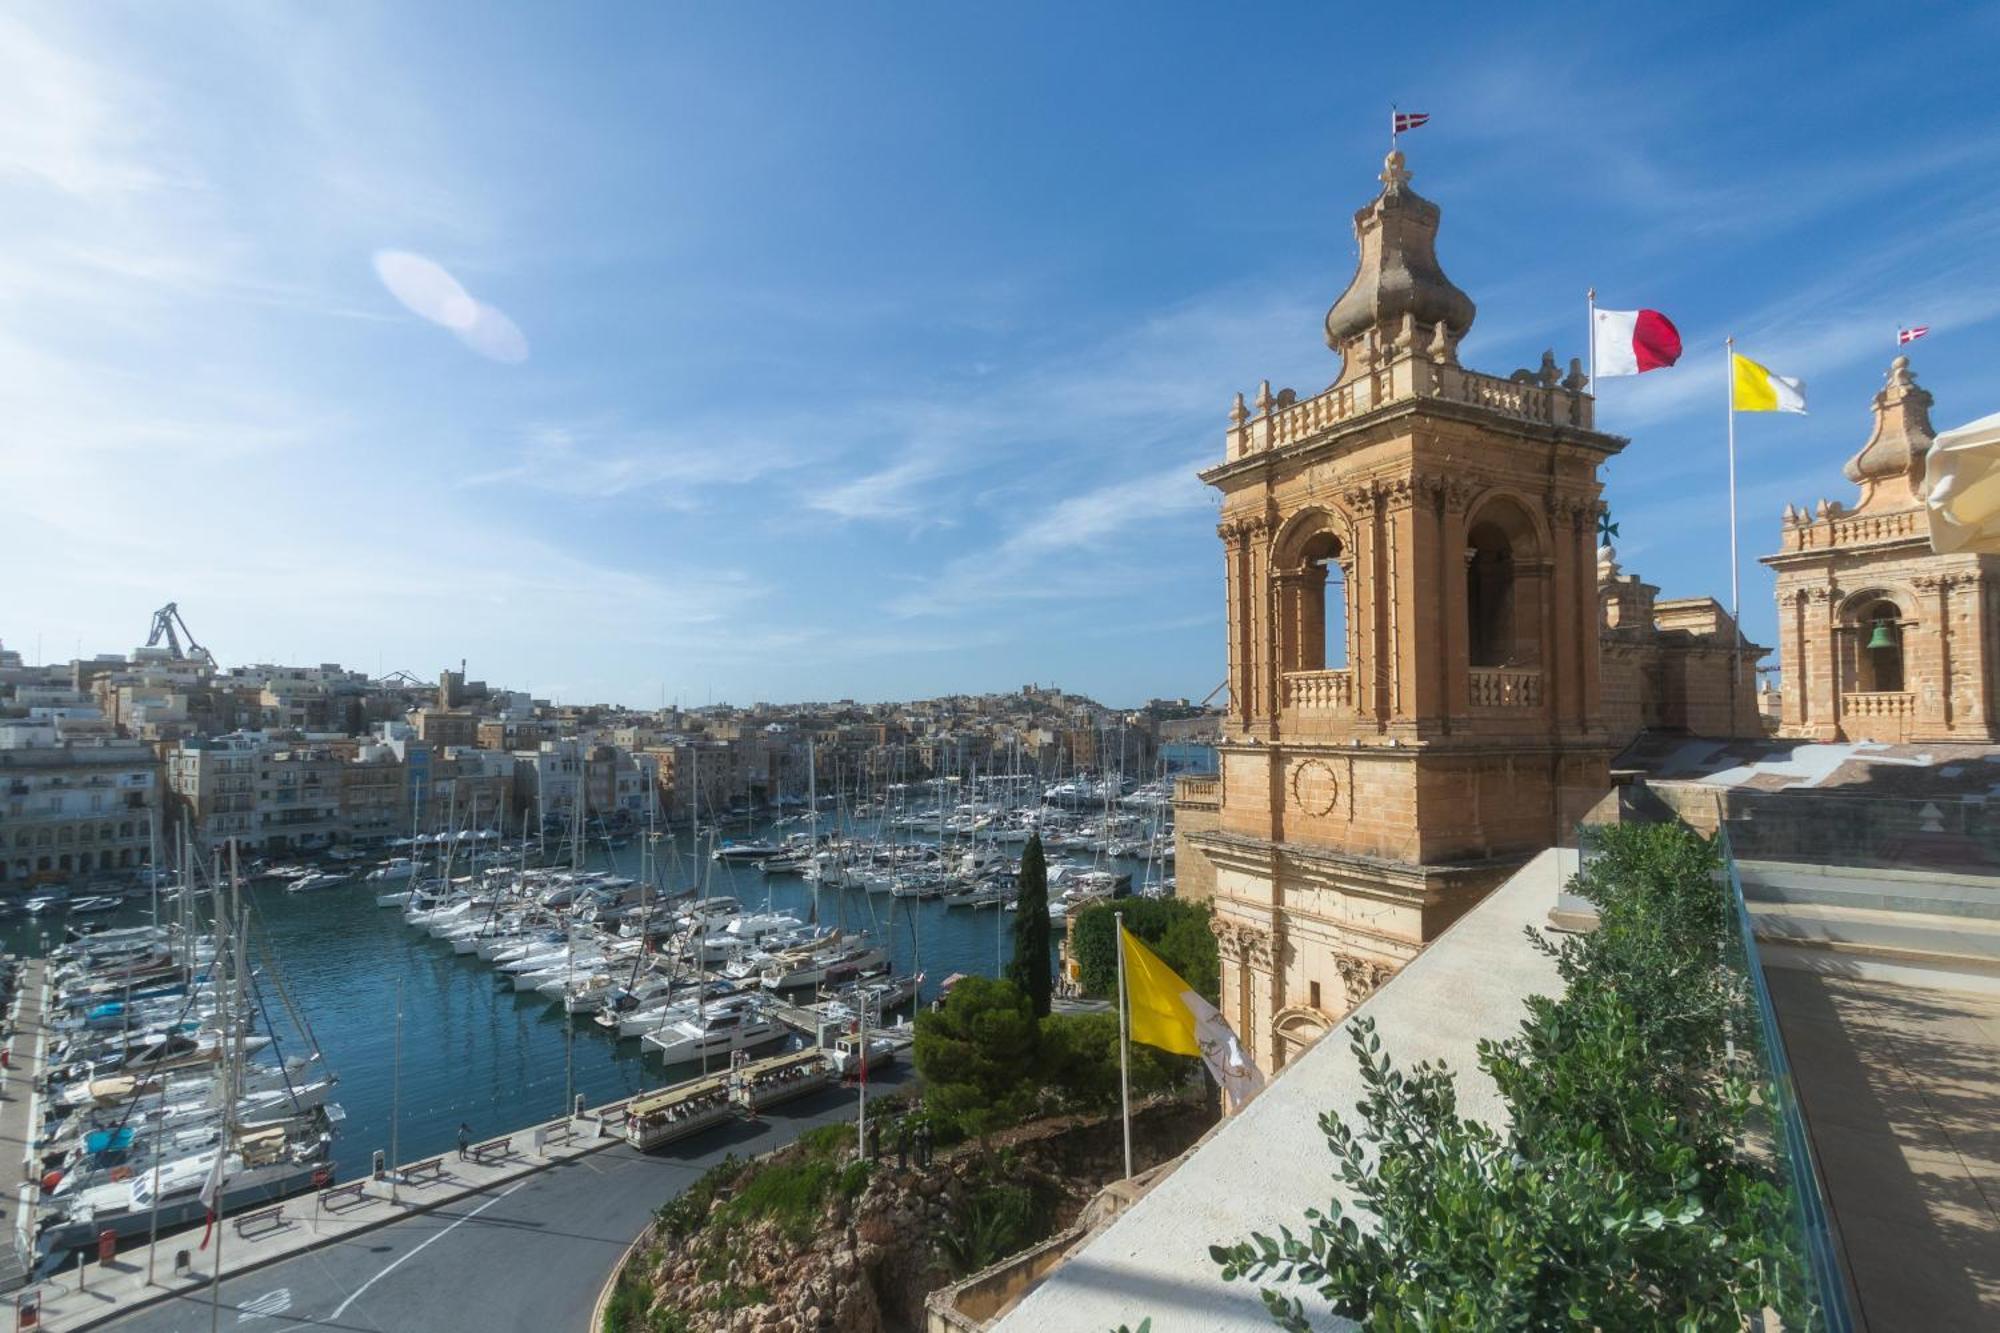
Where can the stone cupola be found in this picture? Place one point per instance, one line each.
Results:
(1890, 466)
(1399, 300)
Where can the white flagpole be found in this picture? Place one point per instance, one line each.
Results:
(1590, 331)
(1124, 1044)
(1735, 590)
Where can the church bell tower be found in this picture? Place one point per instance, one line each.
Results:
(1413, 640)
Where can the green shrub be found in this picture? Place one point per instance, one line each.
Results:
(1174, 928)
(977, 1057)
(1079, 1063)
(681, 1217)
(1618, 1195)
(788, 1193)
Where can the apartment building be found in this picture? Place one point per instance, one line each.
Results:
(73, 806)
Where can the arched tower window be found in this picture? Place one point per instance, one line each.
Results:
(1323, 631)
(1881, 665)
(1502, 612)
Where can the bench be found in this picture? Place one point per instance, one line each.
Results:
(434, 1168)
(493, 1150)
(349, 1191)
(561, 1132)
(270, 1219)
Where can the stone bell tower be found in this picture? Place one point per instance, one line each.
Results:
(1880, 638)
(1413, 642)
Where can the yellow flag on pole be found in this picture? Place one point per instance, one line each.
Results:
(1165, 1012)
(1758, 390)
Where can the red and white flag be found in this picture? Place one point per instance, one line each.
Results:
(1632, 342)
(1911, 334)
(211, 1194)
(1406, 120)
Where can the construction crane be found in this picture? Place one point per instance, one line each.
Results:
(164, 622)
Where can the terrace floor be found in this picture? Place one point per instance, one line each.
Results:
(1901, 1091)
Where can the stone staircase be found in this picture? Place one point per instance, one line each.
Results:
(1908, 927)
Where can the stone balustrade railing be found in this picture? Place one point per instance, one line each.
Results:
(1807, 534)
(1878, 703)
(1191, 791)
(1279, 423)
(1320, 691)
(1505, 687)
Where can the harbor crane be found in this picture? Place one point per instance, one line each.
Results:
(164, 622)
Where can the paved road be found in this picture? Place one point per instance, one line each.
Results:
(528, 1255)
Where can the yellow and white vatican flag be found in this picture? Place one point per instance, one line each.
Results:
(1756, 389)
(1962, 488)
(1165, 1012)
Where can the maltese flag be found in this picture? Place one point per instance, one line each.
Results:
(1632, 342)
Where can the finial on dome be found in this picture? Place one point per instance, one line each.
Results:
(1397, 285)
(1892, 462)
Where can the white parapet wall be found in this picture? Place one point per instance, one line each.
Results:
(1265, 1166)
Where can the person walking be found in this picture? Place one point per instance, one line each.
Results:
(464, 1139)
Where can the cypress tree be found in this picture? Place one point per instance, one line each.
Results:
(1030, 967)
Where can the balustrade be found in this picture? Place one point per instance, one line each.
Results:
(1878, 703)
(1320, 691)
(1505, 687)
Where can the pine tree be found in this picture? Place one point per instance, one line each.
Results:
(1030, 967)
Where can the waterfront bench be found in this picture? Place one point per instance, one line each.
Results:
(493, 1150)
(264, 1219)
(350, 1191)
(433, 1167)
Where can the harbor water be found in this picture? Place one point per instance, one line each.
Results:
(473, 1051)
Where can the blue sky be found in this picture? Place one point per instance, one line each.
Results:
(870, 350)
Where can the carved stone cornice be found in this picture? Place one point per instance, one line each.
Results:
(1933, 582)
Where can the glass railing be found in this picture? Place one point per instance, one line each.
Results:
(1792, 1143)
(1812, 1237)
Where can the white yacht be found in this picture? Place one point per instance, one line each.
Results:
(716, 1032)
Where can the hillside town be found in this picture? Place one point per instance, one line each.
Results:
(105, 756)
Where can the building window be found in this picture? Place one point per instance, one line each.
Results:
(1315, 994)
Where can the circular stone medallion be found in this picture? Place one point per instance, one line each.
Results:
(1315, 789)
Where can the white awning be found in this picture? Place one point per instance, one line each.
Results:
(1962, 488)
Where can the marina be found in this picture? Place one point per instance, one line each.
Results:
(420, 998)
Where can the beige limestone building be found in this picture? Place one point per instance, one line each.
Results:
(1413, 618)
(1880, 639)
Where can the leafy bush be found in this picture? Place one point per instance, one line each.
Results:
(1079, 1063)
(1175, 929)
(1619, 1195)
(993, 1222)
(681, 1217)
(977, 1056)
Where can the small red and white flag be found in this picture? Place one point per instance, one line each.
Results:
(211, 1195)
(1911, 334)
(1406, 120)
(1632, 342)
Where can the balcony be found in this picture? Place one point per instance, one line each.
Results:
(1878, 703)
(1320, 691)
(1505, 687)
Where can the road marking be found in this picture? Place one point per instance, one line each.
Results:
(341, 1309)
(270, 1303)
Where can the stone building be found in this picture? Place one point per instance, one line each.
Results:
(1879, 638)
(1678, 665)
(1413, 642)
(71, 808)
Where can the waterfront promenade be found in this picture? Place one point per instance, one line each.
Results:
(522, 1243)
(18, 1113)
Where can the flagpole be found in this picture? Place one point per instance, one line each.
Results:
(1590, 330)
(1124, 1043)
(1735, 574)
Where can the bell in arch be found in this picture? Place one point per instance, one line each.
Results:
(1883, 637)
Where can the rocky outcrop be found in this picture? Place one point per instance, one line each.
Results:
(866, 1261)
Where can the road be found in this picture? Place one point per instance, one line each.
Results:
(532, 1254)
